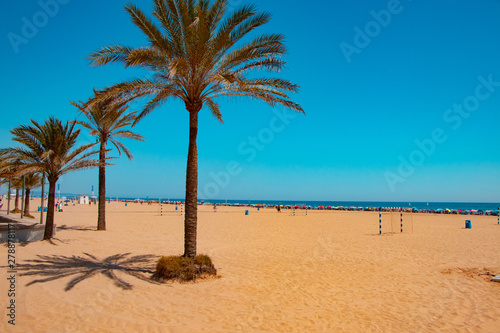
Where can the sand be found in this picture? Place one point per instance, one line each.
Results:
(324, 272)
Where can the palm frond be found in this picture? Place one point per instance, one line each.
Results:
(148, 27)
(109, 54)
(197, 53)
(215, 109)
(106, 120)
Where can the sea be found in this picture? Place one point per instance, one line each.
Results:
(484, 206)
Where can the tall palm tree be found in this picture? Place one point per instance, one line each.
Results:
(50, 148)
(106, 120)
(197, 55)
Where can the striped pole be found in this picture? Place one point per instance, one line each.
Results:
(498, 215)
(293, 211)
(401, 219)
(161, 208)
(181, 209)
(380, 222)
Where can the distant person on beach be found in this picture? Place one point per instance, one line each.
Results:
(215, 208)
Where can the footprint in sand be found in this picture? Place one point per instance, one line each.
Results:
(326, 249)
(254, 320)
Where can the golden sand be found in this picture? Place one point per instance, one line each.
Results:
(325, 272)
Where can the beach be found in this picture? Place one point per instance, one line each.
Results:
(327, 271)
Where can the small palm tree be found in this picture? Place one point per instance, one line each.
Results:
(6, 172)
(10, 167)
(106, 121)
(31, 181)
(197, 56)
(16, 183)
(49, 148)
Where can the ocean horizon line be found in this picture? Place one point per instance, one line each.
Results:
(432, 205)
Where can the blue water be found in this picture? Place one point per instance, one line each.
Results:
(418, 205)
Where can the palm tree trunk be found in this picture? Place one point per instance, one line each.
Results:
(191, 217)
(41, 197)
(27, 202)
(22, 198)
(16, 202)
(101, 215)
(8, 196)
(49, 223)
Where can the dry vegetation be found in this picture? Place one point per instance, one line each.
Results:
(183, 269)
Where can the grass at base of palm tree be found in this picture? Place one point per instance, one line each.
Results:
(18, 211)
(184, 269)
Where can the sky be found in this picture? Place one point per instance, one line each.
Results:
(401, 100)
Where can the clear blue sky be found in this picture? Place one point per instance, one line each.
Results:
(372, 85)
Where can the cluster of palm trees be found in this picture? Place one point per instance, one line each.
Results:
(50, 149)
(197, 53)
(27, 183)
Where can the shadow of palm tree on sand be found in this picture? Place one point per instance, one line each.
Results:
(57, 267)
(79, 228)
